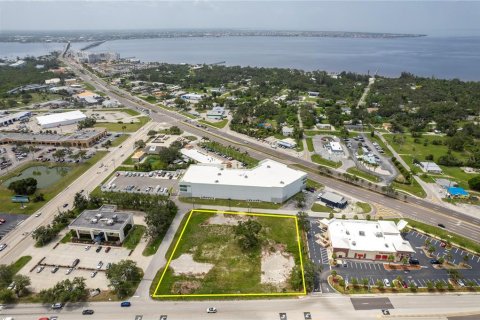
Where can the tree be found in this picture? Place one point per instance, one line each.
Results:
(380, 284)
(6, 296)
(474, 183)
(140, 144)
(124, 277)
(300, 200)
(59, 154)
(439, 285)
(365, 282)
(247, 233)
(296, 279)
(80, 202)
(391, 258)
(65, 291)
(26, 186)
(158, 217)
(88, 122)
(21, 284)
(302, 218)
(430, 285)
(431, 249)
(6, 276)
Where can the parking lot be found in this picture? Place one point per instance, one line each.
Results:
(374, 271)
(154, 182)
(64, 255)
(11, 221)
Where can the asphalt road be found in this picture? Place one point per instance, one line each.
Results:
(329, 307)
(412, 207)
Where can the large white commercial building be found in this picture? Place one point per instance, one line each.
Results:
(60, 119)
(270, 181)
(371, 240)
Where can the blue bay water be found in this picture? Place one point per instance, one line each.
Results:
(441, 57)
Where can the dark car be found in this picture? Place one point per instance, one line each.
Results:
(434, 261)
(98, 249)
(125, 304)
(65, 205)
(87, 311)
(414, 261)
(441, 225)
(107, 249)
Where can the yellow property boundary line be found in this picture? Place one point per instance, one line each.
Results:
(155, 295)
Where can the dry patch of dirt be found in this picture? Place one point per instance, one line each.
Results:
(226, 219)
(185, 265)
(390, 267)
(185, 287)
(276, 267)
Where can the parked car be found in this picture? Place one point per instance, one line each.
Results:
(413, 261)
(3, 246)
(55, 269)
(99, 265)
(38, 214)
(443, 244)
(404, 284)
(460, 283)
(98, 249)
(93, 274)
(211, 310)
(125, 304)
(40, 269)
(87, 248)
(107, 249)
(69, 270)
(87, 311)
(434, 261)
(65, 205)
(386, 282)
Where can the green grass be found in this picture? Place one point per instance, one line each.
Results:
(419, 150)
(445, 235)
(366, 207)
(152, 247)
(118, 141)
(325, 162)
(231, 203)
(49, 192)
(130, 112)
(134, 237)
(189, 115)
(118, 127)
(234, 270)
(67, 238)
(364, 175)
(314, 184)
(317, 207)
(310, 144)
(413, 188)
(19, 264)
(219, 124)
(88, 86)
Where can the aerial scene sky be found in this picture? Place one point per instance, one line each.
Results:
(437, 18)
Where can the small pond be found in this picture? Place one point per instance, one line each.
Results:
(45, 175)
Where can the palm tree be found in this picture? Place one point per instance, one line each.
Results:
(391, 258)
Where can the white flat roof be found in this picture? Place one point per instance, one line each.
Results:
(335, 146)
(60, 117)
(199, 156)
(361, 235)
(268, 173)
(429, 165)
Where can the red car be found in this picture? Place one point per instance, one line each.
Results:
(443, 244)
(2, 221)
(107, 249)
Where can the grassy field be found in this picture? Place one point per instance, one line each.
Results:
(50, 192)
(118, 127)
(118, 141)
(219, 124)
(413, 188)
(19, 264)
(325, 162)
(134, 236)
(310, 144)
(231, 203)
(317, 207)
(362, 174)
(314, 184)
(234, 270)
(366, 208)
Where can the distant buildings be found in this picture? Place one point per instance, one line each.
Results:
(52, 81)
(11, 118)
(287, 131)
(18, 64)
(430, 167)
(313, 94)
(270, 181)
(370, 240)
(60, 119)
(103, 224)
(94, 57)
(84, 138)
(192, 96)
(87, 97)
(287, 143)
(216, 113)
(333, 200)
(456, 192)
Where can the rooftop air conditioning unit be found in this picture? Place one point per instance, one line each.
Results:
(281, 182)
(98, 215)
(93, 220)
(354, 243)
(216, 181)
(219, 174)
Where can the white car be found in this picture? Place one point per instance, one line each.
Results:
(93, 274)
(3, 246)
(40, 269)
(386, 282)
(460, 283)
(99, 265)
(38, 214)
(69, 270)
(211, 310)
